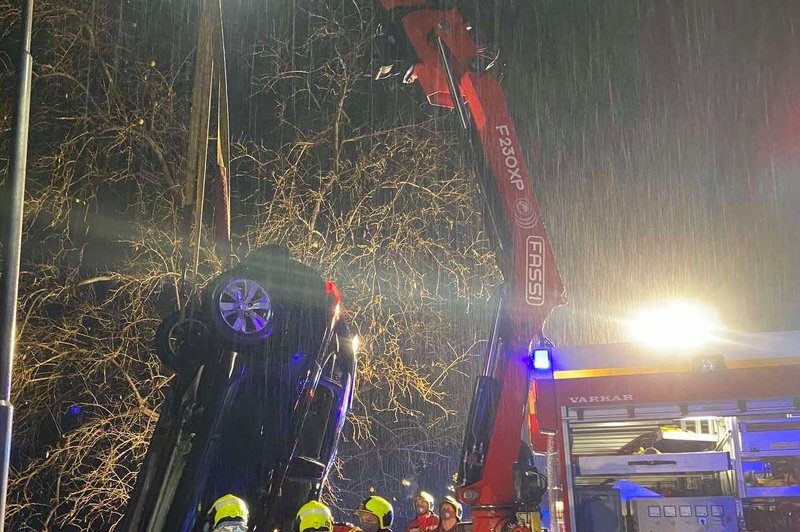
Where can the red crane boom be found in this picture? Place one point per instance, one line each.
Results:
(451, 69)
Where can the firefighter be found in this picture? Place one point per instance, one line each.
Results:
(426, 520)
(375, 513)
(450, 512)
(229, 514)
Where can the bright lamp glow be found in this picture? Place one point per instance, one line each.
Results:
(676, 325)
(541, 359)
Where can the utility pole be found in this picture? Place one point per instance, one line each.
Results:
(12, 245)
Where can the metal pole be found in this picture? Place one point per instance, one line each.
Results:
(494, 340)
(12, 240)
(458, 103)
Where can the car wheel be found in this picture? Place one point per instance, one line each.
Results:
(241, 309)
(177, 338)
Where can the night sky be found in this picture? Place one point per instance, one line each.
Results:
(666, 137)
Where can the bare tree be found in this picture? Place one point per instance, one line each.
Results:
(356, 184)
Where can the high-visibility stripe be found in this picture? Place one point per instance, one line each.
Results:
(673, 368)
(229, 507)
(314, 511)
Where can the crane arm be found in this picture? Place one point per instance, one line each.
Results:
(450, 68)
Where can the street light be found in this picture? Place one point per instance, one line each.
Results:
(682, 325)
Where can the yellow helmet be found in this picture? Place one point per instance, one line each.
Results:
(229, 508)
(380, 508)
(314, 515)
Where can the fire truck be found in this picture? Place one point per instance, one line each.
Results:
(689, 440)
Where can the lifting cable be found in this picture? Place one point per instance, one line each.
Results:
(210, 71)
(222, 210)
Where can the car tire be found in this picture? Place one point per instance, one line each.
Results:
(240, 308)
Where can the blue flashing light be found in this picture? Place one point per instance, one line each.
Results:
(541, 360)
(75, 410)
(297, 357)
